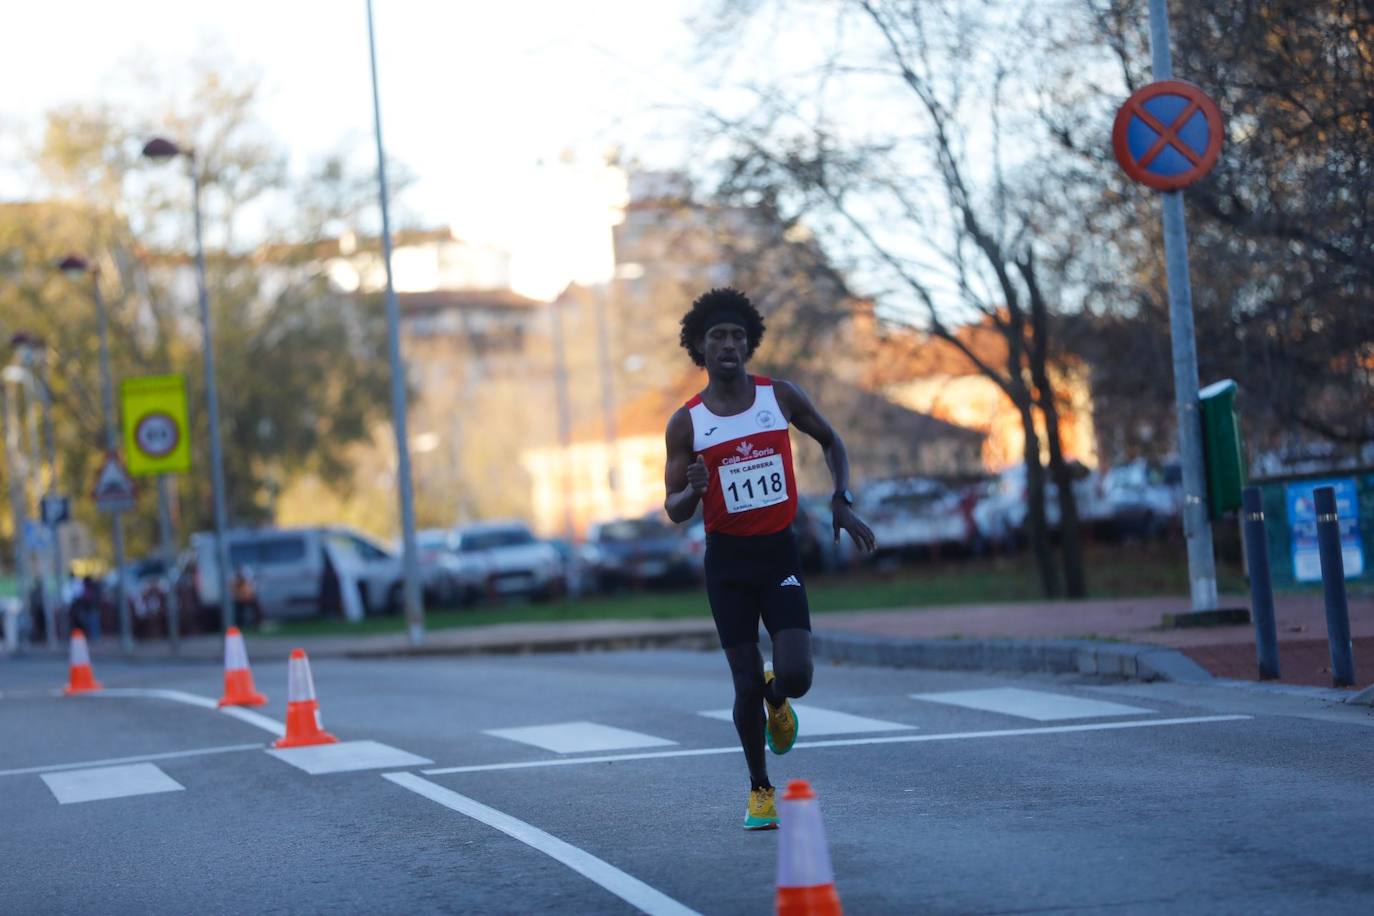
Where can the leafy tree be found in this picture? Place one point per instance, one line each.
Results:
(301, 370)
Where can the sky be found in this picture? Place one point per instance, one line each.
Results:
(480, 102)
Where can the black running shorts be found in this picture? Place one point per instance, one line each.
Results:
(749, 578)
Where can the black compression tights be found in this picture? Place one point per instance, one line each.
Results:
(792, 678)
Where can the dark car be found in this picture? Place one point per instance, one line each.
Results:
(634, 552)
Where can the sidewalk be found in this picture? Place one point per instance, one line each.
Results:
(1124, 637)
(1223, 651)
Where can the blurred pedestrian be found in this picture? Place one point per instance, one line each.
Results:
(247, 611)
(729, 448)
(86, 608)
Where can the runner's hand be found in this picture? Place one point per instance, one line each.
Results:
(697, 476)
(844, 517)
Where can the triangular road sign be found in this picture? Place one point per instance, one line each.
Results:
(114, 488)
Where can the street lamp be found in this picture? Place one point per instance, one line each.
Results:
(160, 149)
(33, 353)
(75, 266)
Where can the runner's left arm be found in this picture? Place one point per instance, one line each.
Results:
(802, 414)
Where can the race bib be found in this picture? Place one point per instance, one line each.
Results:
(753, 484)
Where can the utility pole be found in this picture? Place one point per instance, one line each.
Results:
(17, 472)
(603, 346)
(560, 383)
(414, 608)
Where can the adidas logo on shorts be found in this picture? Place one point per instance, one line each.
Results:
(790, 580)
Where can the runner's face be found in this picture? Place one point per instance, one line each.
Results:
(726, 348)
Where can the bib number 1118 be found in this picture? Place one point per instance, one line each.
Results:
(753, 484)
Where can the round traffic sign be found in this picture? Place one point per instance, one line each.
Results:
(157, 434)
(1167, 135)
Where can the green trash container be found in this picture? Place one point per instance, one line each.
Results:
(1223, 453)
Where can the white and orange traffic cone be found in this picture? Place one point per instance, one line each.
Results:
(238, 677)
(302, 710)
(81, 678)
(806, 883)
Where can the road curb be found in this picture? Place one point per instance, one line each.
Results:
(1053, 656)
(612, 643)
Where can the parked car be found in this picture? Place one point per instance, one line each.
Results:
(579, 566)
(911, 514)
(634, 552)
(297, 572)
(1136, 500)
(516, 562)
(1001, 514)
(450, 577)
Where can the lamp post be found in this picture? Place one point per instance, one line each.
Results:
(73, 266)
(161, 149)
(33, 353)
(414, 607)
(13, 377)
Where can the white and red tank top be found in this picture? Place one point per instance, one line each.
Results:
(753, 489)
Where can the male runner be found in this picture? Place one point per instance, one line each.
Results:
(729, 448)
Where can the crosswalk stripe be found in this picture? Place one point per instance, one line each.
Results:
(814, 720)
(578, 737)
(1032, 704)
(70, 787)
(346, 757)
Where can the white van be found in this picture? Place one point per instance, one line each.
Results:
(297, 571)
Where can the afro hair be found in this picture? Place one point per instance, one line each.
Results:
(694, 322)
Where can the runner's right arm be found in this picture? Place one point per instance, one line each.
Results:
(685, 477)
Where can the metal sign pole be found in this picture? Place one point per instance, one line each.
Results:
(1202, 576)
(17, 477)
(126, 632)
(226, 608)
(414, 607)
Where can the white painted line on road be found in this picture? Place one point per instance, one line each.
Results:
(1032, 704)
(346, 757)
(170, 755)
(607, 758)
(846, 742)
(76, 786)
(256, 719)
(176, 696)
(627, 887)
(579, 737)
(813, 720)
(30, 694)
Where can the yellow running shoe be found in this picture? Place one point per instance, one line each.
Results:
(782, 722)
(762, 813)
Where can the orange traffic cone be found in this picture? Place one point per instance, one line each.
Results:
(302, 710)
(238, 678)
(806, 885)
(82, 678)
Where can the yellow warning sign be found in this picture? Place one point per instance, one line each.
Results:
(155, 427)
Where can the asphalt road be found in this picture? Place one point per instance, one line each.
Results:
(1175, 800)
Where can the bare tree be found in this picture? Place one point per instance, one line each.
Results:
(940, 217)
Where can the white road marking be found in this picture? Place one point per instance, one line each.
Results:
(579, 737)
(30, 694)
(848, 742)
(52, 768)
(813, 720)
(627, 887)
(346, 757)
(1032, 704)
(256, 719)
(75, 786)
